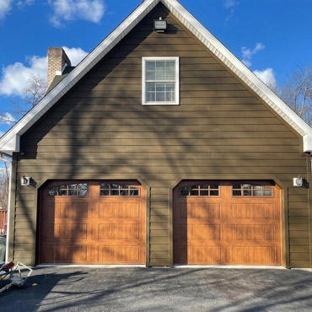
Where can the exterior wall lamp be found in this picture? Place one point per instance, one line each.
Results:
(160, 25)
(27, 181)
(300, 182)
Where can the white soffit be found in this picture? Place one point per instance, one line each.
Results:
(9, 142)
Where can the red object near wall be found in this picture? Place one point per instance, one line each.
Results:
(3, 222)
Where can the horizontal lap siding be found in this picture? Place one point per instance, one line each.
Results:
(299, 227)
(100, 130)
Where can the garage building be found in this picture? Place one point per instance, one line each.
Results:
(160, 148)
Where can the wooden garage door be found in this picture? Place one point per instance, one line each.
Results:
(92, 222)
(227, 223)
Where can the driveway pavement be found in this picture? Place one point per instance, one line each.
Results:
(193, 289)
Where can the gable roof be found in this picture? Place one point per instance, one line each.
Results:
(10, 141)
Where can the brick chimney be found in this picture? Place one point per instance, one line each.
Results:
(57, 61)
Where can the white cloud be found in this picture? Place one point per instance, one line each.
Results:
(267, 76)
(5, 8)
(6, 118)
(22, 3)
(7, 5)
(229, 4)
(249, 53)
(75, 55)
(68, 10)
(15, 77)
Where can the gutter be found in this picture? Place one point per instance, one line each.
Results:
(8, 159)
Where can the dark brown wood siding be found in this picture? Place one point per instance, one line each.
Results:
(220, 130)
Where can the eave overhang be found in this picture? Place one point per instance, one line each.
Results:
(9, 142)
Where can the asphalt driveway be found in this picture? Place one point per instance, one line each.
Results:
(161, 289)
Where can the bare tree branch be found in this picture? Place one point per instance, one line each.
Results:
(4, 186)
(35, 90)
(297, 93)
(33, 93)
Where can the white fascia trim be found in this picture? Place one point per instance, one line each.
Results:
(238, 68)
(9, 142)
(10, 146)
(307, 143)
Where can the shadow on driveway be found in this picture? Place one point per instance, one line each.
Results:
(161, 289)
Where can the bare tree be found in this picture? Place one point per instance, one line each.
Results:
(32, 95)
(297, 93)
(4, 186)
(35, 90)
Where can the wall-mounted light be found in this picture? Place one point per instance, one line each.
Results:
(160, 25)
(26, 181)
(298, 182)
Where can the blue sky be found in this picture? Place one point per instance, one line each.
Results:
(272, 37)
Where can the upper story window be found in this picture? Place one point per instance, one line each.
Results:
(160, 81)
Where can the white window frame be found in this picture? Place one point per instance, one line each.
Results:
(177, 81)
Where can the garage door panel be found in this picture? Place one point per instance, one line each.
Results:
(96, 223)
(204, 231)
(254, 211)
(203, 210)
(71, 231)
(129, 232)
(71, 210)
(69, 253)
(204, 254)
(113, 210)
(249, 233)
(200, 212)
(264, 255)
(228, 226)
(121, 254)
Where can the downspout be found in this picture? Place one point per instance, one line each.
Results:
(9, 203)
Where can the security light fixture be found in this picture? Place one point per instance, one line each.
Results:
(160, 25)
(26, 181)
(298, 182)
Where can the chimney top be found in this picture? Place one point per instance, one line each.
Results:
(57, 62)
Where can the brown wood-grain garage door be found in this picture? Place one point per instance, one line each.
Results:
(227, 223)
(92, 222)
